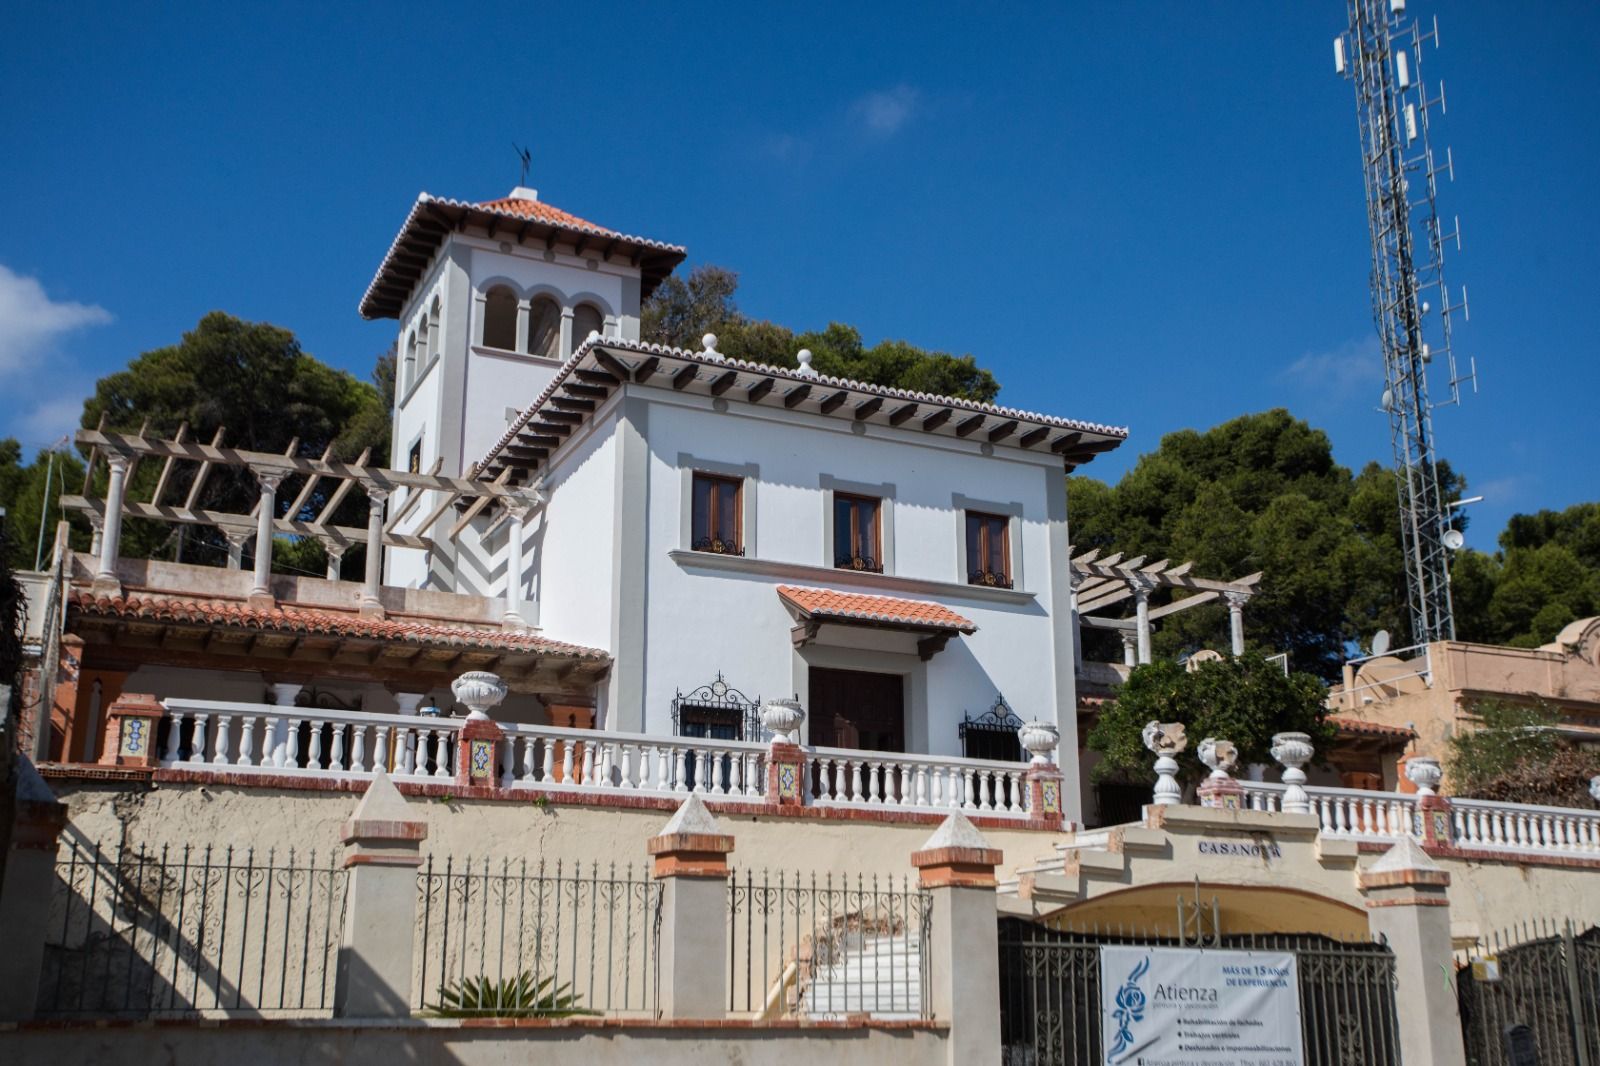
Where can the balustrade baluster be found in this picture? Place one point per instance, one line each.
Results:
(247, 729)
(586, 771)
(409, 765)
(680, 770)
(855, 780)
(174, 731)
(314, 756)
(528, 744)
(380, 748)
(625, 777)
(566, 763)
(291, 751)
(920, 783)
(224, 722)
(336, 756)
(197, 746)
(358, 747)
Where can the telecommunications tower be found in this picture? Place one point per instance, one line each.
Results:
(1381, 53)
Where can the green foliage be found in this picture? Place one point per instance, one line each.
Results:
(1245, 700)
(1261, 493)
(1545, 575)
(253, 380)
(512, 997)
(682, 311)
(22, 494)
(1510, 736)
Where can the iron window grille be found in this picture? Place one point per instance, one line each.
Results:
(716, 710)
(992, 734)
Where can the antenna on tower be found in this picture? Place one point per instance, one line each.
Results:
(526, 158)
(1381, 53)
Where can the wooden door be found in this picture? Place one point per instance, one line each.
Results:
(857, 709)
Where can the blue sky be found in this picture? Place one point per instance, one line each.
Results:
(1147, 214)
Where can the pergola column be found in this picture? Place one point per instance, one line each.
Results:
(370, 601)
(1236, 602)
(1142, 588)
(105, 578)
(514, 548)
(335, 558)
(97, 524)
(236, 540)
(266, 515)
(1130, 648)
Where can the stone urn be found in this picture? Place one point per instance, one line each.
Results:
(1039, 739)
(782, 719)
(479, 690)
(1293, 751)
(1167, 740)
(1425, 772)
(1219, 756)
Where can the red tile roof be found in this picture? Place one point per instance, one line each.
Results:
(883, 610)
(313, 621)
(1360, 727)
(540, 211)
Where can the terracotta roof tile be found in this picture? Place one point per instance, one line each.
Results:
(308, 620)
(889, 610)
(1360, 727)
(540, 211)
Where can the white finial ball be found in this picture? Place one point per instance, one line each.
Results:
(805, 357)
(710, 342)
(594, 335)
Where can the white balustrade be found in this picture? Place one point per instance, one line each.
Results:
(887, 780)
(1476, 825)
(267, 739)
(584, 760)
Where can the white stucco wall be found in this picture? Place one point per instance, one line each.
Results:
(702, 618)
(571, 543)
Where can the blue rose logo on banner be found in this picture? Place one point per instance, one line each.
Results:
(1130, 1009)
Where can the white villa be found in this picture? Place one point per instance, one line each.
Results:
(642, 540)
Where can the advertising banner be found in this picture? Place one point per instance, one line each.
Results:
(1198, 1007)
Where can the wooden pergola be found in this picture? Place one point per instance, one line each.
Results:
(123, 452)
(1100, 583)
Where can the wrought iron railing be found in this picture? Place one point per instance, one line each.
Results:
(511, 939)
(1541, 977)
(865, 563)
(993, 578)
(173, 931)
(718, 546)
(828, 946)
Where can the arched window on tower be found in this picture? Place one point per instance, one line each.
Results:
(408, 375)
(500, 319)
(544, 328)
(432, 348)
(586, 319)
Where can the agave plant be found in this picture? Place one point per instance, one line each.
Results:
(511, 997)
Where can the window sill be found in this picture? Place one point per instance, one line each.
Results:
(828, 575)
(525, 357)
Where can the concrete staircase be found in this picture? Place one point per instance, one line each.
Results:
(1082, 857)
(876, 975)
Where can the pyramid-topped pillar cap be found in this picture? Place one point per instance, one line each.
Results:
(957, 855)
(692, 843)
(383, 817)
(1406, 864)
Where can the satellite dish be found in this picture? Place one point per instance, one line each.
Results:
(1387, 401)
(1453, 539)
(1380, 642)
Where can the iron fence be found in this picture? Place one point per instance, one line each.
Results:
(826, 947)
(1543, 975)
(1050, 1005)
(510, 939)
(146, 932)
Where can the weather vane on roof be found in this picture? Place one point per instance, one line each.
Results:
(526, 157)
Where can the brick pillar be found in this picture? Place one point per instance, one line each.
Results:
(691, 862)
(1408, 906)
(132, 723)
(383, 845)
(1044, 795)
(786, 765)
(25, 894)
(478, 753)
(957, 866)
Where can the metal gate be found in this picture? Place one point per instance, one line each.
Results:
(1050, 990)
(1542, 976)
